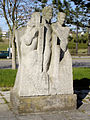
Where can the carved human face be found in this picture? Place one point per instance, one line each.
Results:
(47, 13)
(35, 20)
(61, 18)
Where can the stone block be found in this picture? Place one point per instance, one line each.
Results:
(45, 103)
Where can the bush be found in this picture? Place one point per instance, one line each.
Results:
(70, 38)
(82, 41)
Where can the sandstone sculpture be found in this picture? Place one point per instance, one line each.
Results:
(45, 64)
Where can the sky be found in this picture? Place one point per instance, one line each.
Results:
(4, 25)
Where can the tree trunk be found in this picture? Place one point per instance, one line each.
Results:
(77, 40)
(89, 39)
(13, 50)
(10, 38)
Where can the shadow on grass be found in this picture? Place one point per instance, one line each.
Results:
(81, 88)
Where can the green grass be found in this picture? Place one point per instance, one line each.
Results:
(3, 46)
(7, 76)
(80, 73)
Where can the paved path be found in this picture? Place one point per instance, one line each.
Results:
(6, 63)
(83, 61)
(83, 113)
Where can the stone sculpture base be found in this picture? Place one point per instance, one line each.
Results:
(43, 103)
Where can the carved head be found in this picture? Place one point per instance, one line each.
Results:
(61, 18)
(47, 13)
(35, 20)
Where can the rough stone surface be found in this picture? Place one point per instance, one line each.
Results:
(61, 62)
(43, 103)
(2, 101)
(32, 76)
(45, 64)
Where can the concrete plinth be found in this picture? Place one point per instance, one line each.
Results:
(43, 103)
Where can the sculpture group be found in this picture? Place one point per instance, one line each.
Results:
(45, 64)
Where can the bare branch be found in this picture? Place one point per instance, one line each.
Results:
(13, 12)
(5, 15)
(9, 11)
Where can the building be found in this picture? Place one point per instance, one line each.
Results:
(5, 35)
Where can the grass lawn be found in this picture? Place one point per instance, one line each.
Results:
(3, 47)
(81, 78)
(7, 76)
(80, 73)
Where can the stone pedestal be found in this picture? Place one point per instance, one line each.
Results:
(43, 103)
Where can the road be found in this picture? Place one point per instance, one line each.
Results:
(83, 61)
(6, 63)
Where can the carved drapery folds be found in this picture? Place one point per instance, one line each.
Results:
(45, 65)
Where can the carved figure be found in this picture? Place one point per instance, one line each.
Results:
(47, 30)
(34, 56)
(60, 65)
(28, 53)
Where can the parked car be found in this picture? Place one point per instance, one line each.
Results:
(4, 54)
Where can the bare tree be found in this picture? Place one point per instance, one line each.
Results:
(16, 14)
